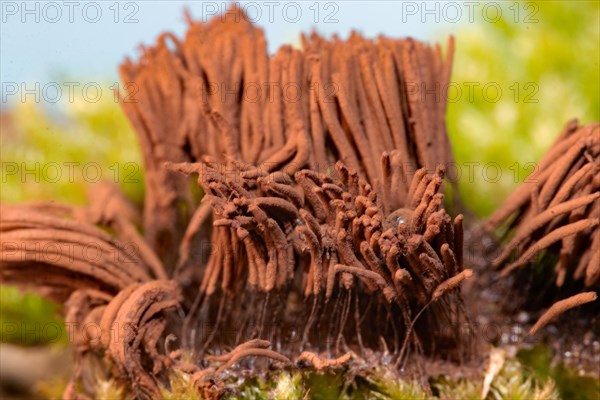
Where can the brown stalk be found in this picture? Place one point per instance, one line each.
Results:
(561, 307)
(549, 239)
(253, 352)
(320, 363)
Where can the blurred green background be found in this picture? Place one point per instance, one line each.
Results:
(547, 71)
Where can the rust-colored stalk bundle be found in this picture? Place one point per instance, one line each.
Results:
(218, 93)
(115, 297)
(49, 250)
(556, 215)
(327, 240)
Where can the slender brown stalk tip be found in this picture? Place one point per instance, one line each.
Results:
(561, 307)
(451, 283)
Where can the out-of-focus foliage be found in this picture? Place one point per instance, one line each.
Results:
(53, 388)
(29, 319)
(570, 384)
(544, 56)
(513, 382)
(58, 155)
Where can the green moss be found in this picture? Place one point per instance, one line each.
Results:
(387, 387)
(254, 389)
(180, 387)
(515, 381)
(110, 390)
(568, 383)
(288, 387)
(322, 386)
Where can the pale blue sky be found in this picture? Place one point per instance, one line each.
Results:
(76, 47)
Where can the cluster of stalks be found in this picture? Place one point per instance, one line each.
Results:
(276, 238)
(553, 218)
(218, 93)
